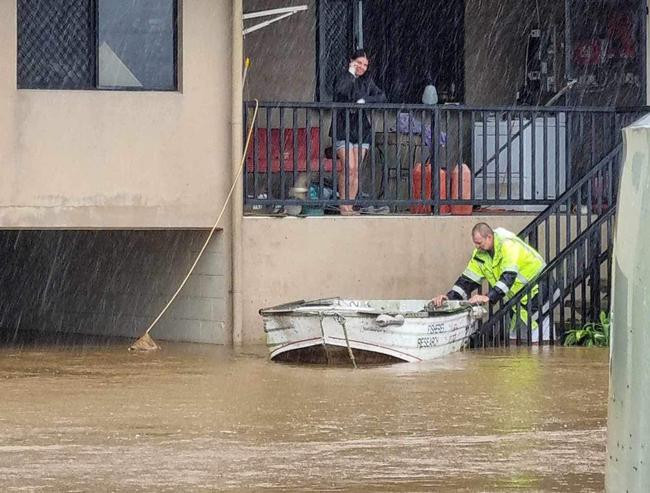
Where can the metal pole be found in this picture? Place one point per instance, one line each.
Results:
(359, 24)
(628, 426)
(236, 151)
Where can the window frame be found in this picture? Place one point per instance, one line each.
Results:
(93, 33)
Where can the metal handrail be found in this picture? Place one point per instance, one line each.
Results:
(564, 199)
(453, 107)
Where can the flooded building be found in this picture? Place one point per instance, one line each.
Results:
(115, 137)
(122, 128)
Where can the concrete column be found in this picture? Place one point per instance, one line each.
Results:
(628, 426)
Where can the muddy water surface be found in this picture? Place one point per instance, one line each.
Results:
(200, 418)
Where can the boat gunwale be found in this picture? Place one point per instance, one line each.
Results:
(311, 308)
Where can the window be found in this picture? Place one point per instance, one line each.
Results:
(97, 44)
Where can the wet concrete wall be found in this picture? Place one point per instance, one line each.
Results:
(113, 283)
(495, 45)
(116, 282)
(359, 257)
(120, 159)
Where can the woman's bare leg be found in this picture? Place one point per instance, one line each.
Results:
(359, 164)
(351, 191)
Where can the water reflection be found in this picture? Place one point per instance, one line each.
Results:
(198, 417)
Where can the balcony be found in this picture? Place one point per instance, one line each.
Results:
(431, 160)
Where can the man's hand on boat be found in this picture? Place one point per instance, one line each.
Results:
(477, 299)
(439, 300)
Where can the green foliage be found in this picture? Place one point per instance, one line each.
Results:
(591, 334)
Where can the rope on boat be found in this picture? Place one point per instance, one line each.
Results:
(322, 332)
(340, 319)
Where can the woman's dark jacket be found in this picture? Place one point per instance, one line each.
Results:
(349, 89)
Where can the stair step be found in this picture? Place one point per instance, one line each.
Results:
(604, 284)
(579, 301)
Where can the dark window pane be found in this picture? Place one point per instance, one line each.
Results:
(136, 44)
(55, 45)
(335, 43)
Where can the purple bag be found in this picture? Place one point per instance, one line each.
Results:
(426, 137)
(406, 122)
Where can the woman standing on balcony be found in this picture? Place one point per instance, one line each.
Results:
(353, 86)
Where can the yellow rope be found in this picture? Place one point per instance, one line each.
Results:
(214, 227)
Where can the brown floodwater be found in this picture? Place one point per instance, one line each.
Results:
(204, 418)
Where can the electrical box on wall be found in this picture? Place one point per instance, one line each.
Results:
(540, 82)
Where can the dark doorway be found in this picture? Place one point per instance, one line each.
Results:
(412, 43)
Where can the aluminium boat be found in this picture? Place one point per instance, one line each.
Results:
(335, 330)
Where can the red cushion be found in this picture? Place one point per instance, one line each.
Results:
(258, 147)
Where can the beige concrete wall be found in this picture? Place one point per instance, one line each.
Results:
(358, 257)
(283, 55)
(115, 159)
(495, 46)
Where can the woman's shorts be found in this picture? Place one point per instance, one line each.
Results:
(340, 144)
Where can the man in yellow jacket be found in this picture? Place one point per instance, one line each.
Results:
(508, 264)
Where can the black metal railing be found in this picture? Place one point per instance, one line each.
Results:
(586, 200)
(423, 159)
(573, 276)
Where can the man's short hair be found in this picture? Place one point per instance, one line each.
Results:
(483, 229)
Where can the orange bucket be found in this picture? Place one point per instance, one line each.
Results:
(416, 191)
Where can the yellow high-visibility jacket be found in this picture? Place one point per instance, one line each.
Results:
(514, 264)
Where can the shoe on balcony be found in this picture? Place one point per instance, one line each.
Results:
(372, 210)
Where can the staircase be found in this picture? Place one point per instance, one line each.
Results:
(575, 236)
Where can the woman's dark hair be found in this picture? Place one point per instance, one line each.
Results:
(358, 53)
